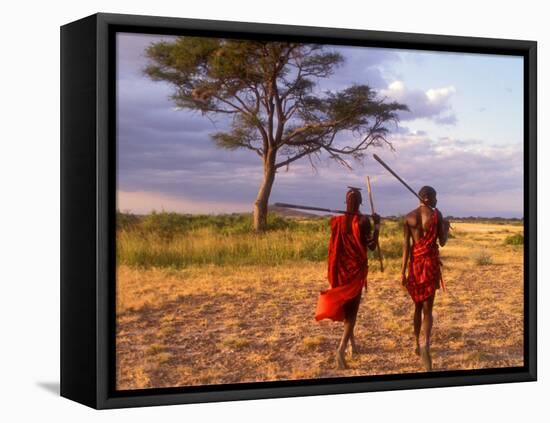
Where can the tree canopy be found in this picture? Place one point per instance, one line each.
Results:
(270, 91)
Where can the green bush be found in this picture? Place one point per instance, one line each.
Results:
(314, 250)
(392, 228)
(391, 247)
(167, 225)
(516, 239)
(126, 220)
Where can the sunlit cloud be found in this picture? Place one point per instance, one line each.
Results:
(434, 103)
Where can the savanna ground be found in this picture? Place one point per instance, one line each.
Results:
(201, 300)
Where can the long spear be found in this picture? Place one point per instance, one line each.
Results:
(389, 169)
(296, 206)
(372, 211)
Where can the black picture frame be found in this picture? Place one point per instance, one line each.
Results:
(88, 189)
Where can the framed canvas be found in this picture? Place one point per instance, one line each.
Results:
(257, 211)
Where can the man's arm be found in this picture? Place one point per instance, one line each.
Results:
(442, 229)
(364, 227)
(373, 241)
(406, 250)
(369, 237)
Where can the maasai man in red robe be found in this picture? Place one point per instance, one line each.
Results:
(347, 270)
(425, 226)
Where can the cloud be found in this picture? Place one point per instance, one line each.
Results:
(131, 51)
(166, 159)
(471, 177)
(431, 104)
(362, 65)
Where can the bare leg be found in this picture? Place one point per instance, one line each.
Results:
(417, 320)
(350, 310)
(340, 360)
(427, 307)
(354, 349)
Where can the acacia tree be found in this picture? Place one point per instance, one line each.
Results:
(269, 91)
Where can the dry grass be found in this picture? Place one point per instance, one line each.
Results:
(208, 324)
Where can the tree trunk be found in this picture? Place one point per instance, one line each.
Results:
(262, 199)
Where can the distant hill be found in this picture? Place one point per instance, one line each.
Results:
(291, 213)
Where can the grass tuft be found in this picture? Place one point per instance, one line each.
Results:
(482, 258)
(311, 343)
(235, 342)
(156, 348)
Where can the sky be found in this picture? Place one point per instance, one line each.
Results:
(463, 135)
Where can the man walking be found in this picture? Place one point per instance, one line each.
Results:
(423, 227)
(347, 269)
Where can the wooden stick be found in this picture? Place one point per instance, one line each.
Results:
(389, 169)
(296, 206)
(372, 211)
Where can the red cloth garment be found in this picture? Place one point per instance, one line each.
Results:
(347, 269)
(424, 270)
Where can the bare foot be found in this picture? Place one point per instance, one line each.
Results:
(354, 349)
(340, 361)
(417, 349)
(426, 358)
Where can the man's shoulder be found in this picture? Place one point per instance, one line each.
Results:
(412, 216)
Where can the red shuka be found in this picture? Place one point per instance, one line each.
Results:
(347, 269)
(424, 270)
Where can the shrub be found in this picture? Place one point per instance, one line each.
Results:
(392, 228)
(314, 250)
(276, 222)
(482, 258)
(391, 247)
(516, 239)
(126, 220)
